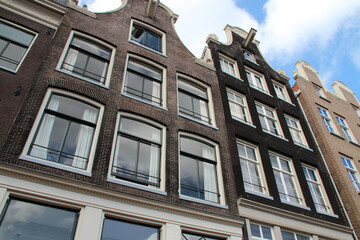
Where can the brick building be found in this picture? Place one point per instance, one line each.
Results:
(334, 117)
(119, 131)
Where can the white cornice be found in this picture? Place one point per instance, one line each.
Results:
(45, 12)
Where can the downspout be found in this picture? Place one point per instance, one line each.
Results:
(326, 166)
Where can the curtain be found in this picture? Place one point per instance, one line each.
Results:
(210, 182)
(70, 59)
(44, 133)
(156, 93)
(204, 111)
(154, 164)
(84, 139)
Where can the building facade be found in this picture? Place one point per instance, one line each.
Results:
(335, 120)
(118, 131)
(283, 188)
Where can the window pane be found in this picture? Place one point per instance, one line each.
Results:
(266, 233)
(255, 230)
(125, 159)
(117, 229)
(91, 47)
(146, 37)
(197, 148)
(24, 220)
(288, 236)
(15, 35)
(189, 177)
(140, 129)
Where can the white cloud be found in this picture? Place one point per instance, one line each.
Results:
(101, 5)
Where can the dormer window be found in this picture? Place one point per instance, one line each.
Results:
(249, 56)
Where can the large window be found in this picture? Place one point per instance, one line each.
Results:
(118, 229)
(87, 58)
(285, 179)
(229, 66)
(147, 36)
(138, 151)
(238, 106)
(198, 170)
(256, 80)
(251, 168)
(65, 133)
(353, 174)
(15, 43)
(268, 119)
(295, 130)
(281, 92)
(293, 236)
(327, 119)
(26, 220)
(316, 189)
(345, 129)
(144, 81)
(260, 232)
(193, 101)
(189, 236)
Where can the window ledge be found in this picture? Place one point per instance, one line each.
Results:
(337, 135)
(278, 136)
(328, 214)
(247, 123)
(295, 204)
(9, 70)
(261, 91)
(287, 102)
(143, 101)
(324, 98)
(198, 121)
(150, 49)
(82, 78)
(55, 165)
(259, 194)
(303, 146)
(203, 201)
(134, 185)
(236, 77)
(354, 143)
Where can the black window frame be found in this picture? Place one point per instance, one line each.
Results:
(148, 34)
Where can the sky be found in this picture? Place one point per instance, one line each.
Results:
(323, 33)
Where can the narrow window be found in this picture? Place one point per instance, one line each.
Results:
(319, 91)
(295, 130)
(251, 168)
(198, 176)
(14, 45)
(285, 178)
(281, 92)
(327, 119)
(146, 37)
(193, 101)
(238, 106)
(26, 220)
(345, 129)
(293, 236)
(256, 80)
(66, 132)
(260, 232)
(353, 174)
(229, 66)
(137, 155)
(268, 119)
(118, 229)
(144, 82)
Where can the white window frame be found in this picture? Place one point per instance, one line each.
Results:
(274, 119)
(295, 234)
(229, 62)
(281, 91)
(261, 232)
(249, 56)
(357, 111)
(345, 129)
(13, 25)
(327, 119)
(259, 167)
(220, 182)
(151, 29)
(319, 184)
(352, 171)
(297, 129)
(253, 84)
(243, 107)
(163, 83)
(37, 121)
(96, 41)
(293, 176)
(111, 178)
(319, 91)
(210, 105)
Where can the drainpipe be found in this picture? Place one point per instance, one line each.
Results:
(326, 166)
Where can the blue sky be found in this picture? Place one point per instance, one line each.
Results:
(324, 33)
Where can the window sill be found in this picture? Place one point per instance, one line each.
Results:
(55, 165)
(295, 204)
(195, 120)
(324, 98)
(259, 194)
(354, 143)
(236, 77)
(263, 91)
(150, 49)
(287, 102)
(143, 101)
(337, 135)
(278, 136)
(134, 185)
(9, 70)
(303, 146)
(203, 201)
(247, 123)
(83, 78)
(328, 214)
